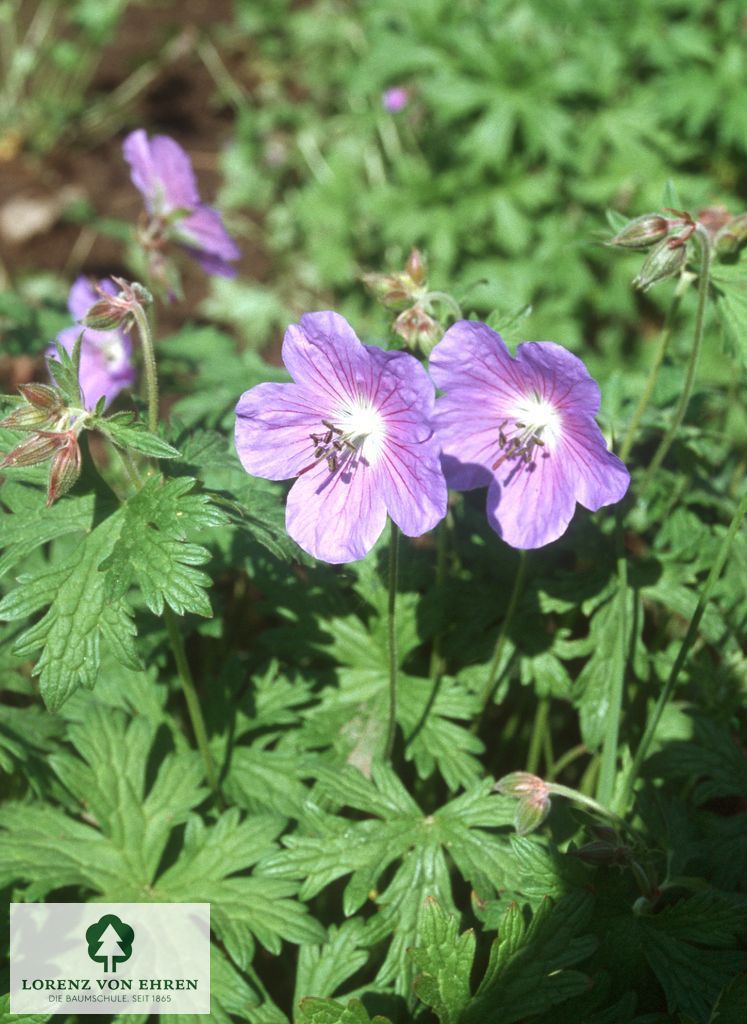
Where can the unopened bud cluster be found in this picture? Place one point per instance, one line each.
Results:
(407, 291)
(113, 312)
(667, 239)
(53, 431)
(533, 795)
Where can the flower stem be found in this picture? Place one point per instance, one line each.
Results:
(608, 765)
(587, 801)
(442, 538)
(692, 366)
(493, 671)
(446, 300)
(565, 759)
(149, 361)
(653, 373)
(666, 693)
(191, 698)
(538, 734)
(392, 639)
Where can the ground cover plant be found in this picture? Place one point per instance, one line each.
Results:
(372, 559)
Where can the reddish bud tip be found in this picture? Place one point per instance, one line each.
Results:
(415, 267)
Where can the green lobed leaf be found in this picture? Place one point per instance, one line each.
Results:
(242, 907)
(528, 971)
(117, 854)
(444, 962)
(127, 432)
(80, 613)
(30, 523)
(322, 969)
(327, 1011)
(152, 548)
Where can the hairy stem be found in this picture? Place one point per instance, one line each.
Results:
(565, 759)
(692, 366)
(608, 764)
(587, 801)
(666, 693)
(149, 361)
(447, 300)
(191, 698)
(653, 374)
(392, 639)
(442, 537)
(493, 672)
(538, 735)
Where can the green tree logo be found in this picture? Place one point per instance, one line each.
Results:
(110, 941)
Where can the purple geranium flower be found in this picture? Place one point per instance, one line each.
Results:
(525, 428)
(395, 98)
(162, 172)
(354, 428)
(105, 356)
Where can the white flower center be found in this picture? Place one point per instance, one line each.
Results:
(538, 418)
(362, 427)
(353, 435)
(534, 425)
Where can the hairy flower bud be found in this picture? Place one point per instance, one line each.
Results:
(43, 397)
(416, 267)
(713, 219)
(732, 236)
(418, 328)
(394, 291)
(533, 794)
(401, 288)
(666, 260)
(642, 232)
(65, 468)
(26, 417)
(117, 311)
(35, 449)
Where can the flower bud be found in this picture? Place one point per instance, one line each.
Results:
(395, 98)
(713, 219)
(26, 417)
(415, 267)
(666, 260)
(534, 799)
(394, 291)
(732, 236)
(35, 449)
(418, 329)
(530, 813)
(642, 232)
(65, 468)
(43, 397)
(117, 311)
(521, 784)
